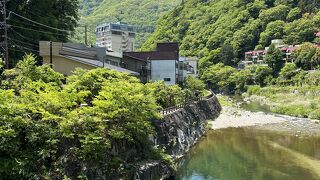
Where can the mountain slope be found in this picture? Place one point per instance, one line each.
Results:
(222, 30)
(143, 14)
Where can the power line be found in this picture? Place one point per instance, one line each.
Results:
(4, 27)
(26, 38)
(23, 42)
(17, 50)
(45, 32)
(22, 47)
(61, 30)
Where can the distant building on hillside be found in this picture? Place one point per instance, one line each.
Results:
(257, 57)
(115, 37)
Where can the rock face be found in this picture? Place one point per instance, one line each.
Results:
(181, 130)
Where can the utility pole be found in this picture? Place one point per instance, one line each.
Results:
(51, 55)
(86, 34)
(4, 33)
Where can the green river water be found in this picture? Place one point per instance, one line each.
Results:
(248, 153)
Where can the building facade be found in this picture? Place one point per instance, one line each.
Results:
(115, 37)
(188, 66)
(161, 64)
(66, 57)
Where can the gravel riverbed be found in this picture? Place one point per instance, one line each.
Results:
(235, 117)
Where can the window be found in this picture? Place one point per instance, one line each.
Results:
(167, 79)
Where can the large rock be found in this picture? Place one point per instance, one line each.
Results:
(181, 130)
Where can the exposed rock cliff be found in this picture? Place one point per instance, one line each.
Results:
(179, 131)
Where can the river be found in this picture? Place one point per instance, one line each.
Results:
(253, 153)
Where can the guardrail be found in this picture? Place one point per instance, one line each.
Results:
(186, 102)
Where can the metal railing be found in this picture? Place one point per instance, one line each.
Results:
(183, 105)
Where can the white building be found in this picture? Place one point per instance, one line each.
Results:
(115, 37)
(164, 62)
(188, 66)
(165, 70)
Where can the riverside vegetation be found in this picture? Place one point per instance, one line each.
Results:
(291, 89)
(53, 126)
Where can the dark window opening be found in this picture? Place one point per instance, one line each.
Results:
(167, 79)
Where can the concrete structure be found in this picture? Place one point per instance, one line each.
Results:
(188, 66)
(115, 37)
(140, 65)
(162, 64)
(66, 57)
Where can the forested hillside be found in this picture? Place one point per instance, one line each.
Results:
(222, 30)
(143, 14)
(88, 6)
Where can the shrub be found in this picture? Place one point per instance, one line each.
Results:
(254, 90)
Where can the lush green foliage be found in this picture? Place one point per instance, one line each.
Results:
(205, 28)
(194, 87)
(143, 14)
(274, 59)
(307, 56)
(53, 127)
(166, 96)
(299, 101)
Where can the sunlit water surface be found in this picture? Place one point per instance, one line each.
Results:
(247, 153)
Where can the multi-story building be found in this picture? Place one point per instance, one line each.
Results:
(115, 37)
(162, 64)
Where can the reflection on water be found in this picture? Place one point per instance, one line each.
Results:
(245, 153)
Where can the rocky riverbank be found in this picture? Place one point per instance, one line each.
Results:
(232, 117)
(177, 133)
(235, 117)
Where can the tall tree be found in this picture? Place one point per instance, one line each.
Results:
(24, 35)
(274, 59)
(303, 56)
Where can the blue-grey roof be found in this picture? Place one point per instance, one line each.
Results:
(97, 63)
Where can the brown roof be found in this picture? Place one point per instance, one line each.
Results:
(169, 46)
(154, 55)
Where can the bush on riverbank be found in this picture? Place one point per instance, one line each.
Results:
(299, 101)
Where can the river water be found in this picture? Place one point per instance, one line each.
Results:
(252, 153)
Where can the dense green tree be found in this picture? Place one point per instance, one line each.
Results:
(315, 60)
(166, 96)
(279, 12)
(300, 31)
(193, 85)
(313, 78)
(243, 79)
(227, 55)
(303, 57)
(25, 35)
(274, 30)
(219, 78)
(294, 14)
(274, 59)
(261, 73)
(287, 73)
